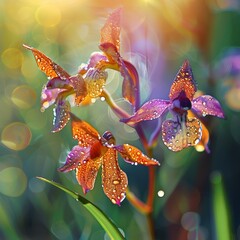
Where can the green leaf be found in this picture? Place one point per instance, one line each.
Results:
(220, 208)
(100, 216)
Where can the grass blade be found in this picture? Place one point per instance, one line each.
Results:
(100, 216)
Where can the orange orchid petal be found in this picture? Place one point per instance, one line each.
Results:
(133, 155)
(114, 180)
(110, 32)
(80, 88)
(203, 144)
(46, 65)
(86, 173)
(84, 132)
(184, 81)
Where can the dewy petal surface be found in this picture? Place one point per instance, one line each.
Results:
(48, 97)
(133, 155)
(84, 132)
(46, 65)
(86, 173)
(95, 80)
(80, 88)
(76, 157)
(150, 110)
(61, 115)
(207, 105)
(114, 180)
(179, 135)
(184, 81)
(110, 32)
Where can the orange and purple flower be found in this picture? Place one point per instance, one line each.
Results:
(180, 131)
(94, 151)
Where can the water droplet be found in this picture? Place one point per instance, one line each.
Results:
(116, 182)
(161, 193)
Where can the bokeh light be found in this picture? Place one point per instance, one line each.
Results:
(12, 58)
(48, 15)
(16, 136)
(13, 181)
(156, 36)
(23, 97)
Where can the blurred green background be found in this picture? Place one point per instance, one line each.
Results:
(196, 194)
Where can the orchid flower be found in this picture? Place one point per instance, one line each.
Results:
(94, 151)
(59, 86)
(110, 58)
(180, 131)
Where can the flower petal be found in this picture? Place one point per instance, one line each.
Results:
(94, 60)
(48, 97)
(114, 180)
(84, 132)
(80, 88)
(203, 143)
(95, 80)
(133, 155)
(46, 65)
(150, 110)
(184, 81)
(61, 115)
(110, 32)
(86, 173)
(76, 157)
(130, 86)
(207, 105)
(179, 135)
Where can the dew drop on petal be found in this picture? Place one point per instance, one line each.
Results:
(116, 182)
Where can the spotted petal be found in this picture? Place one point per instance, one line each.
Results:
(95, 80)
(61, 115)
(46, 65)
(48, 97)
(77, 156)
(84, 132)
(130, 86)
(114, 180)
(80, 88)
(94, 60)
(179, 135)
(150, 110)
(86, 173)
(110, 32)
(133, 155)
(184, 81)
(207, 105)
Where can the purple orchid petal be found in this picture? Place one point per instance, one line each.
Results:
(179, 135)
(58, 83)
(130, 87)
(61, 115)
(48, 97)
(76, 157)
(150, 110)
(95, 58)
(207, 105)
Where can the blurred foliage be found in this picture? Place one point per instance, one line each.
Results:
(157, 35)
